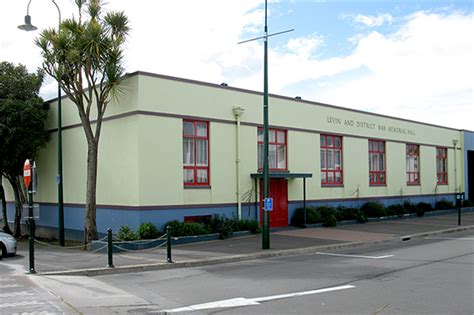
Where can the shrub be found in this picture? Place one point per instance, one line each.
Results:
(346, 213)
(444, 204)
(312, 216)
(328, 215)
(360, 216)
(373, 209)
(126, 234)
(187, 228)
(148, 231)
(396, 209)
(248, 225)
(420, 212)
(193, 228)
(410, 207)
(175, 227)
(468, 203)
(223, 226)
(423, 207)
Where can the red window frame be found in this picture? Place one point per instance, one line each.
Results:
(196, 167)
(413, 153)
(276, 142)
(442, 165)
(330, 143)
(377, 171)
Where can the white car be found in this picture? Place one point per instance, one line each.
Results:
(7, 244)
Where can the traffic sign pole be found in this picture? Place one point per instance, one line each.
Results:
(27, 175)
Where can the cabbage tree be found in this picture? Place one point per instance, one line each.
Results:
(86, 55)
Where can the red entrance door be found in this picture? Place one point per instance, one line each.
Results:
(279, 193)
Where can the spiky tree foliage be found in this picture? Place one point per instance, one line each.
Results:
(85, 56)
(23, 132)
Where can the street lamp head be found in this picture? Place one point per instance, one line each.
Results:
(27, 26)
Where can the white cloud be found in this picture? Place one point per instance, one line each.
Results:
(422, 71)
(373, 21)
(304, 46)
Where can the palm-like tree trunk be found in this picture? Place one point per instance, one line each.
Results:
(90, 227)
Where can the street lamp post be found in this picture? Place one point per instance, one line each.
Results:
(59, 177)
(266, 167)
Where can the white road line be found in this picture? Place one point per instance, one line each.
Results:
(16, 304)
(13, 294)
(14, 285)
(452, 238)
(354, 256)
(240, 301)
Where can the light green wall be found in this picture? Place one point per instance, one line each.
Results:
(140, 159)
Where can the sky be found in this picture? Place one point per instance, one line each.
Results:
(409, 59)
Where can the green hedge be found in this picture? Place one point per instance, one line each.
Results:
(329, 216)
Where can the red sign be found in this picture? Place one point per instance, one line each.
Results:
(27, 173)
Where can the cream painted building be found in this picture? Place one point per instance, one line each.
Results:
(173, 148)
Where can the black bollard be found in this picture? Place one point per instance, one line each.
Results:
(110, 249)
(168, 244)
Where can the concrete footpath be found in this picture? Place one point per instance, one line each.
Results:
(287, 241)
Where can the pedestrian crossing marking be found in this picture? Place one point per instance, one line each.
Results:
(17, 304)
(13, 294)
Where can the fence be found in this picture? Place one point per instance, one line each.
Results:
(102, 253)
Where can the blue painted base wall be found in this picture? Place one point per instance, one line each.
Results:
(115, 218)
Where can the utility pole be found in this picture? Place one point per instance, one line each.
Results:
(266, 168)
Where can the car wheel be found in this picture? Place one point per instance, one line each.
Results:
(3, 249)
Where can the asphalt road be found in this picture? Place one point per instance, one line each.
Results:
(426, 276)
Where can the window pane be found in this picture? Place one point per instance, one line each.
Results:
(338, 142)
(330, 177)
(202, 129)
(337, 159)
(323, 141)
(201, 152)
(260, 156)
(382, 147)
(272, 155)
(371, 178)
(188, 128)
(323, 159)
(281, 136)
(371, 166)
(281, 156)
(188, 152)
(202, 176)
(323, 177)
(330, 159)
(376, 162)
(382, 178)
(329, 141)
(382, 162)
(338, 177)
(188, 176)
(260, 135)
(271, 136)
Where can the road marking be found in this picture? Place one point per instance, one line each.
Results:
(16, 304)
(451, 238)
(240, 301)
(354, 256)
(15, 285)
(13, 294)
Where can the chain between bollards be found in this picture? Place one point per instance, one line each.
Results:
(110, 246)
(169, 232)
